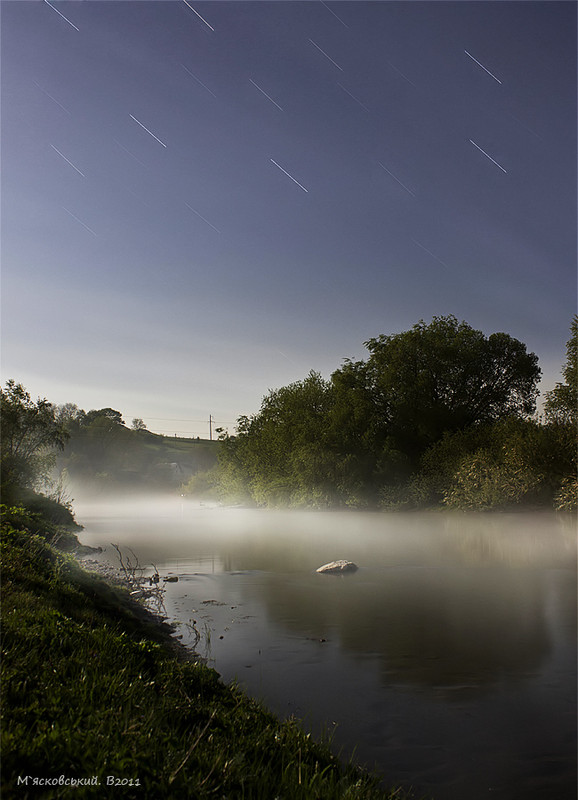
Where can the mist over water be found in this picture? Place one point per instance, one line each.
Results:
(448, 660)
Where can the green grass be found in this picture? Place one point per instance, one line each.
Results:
(90, 689)
(195, 449)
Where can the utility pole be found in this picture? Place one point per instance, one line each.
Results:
(210, 428)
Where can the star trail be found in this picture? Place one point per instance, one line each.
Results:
(325, 54)
(266, 95)
(482, 66)
(67, 161)
(288, 175)
(72, 25)
(436, 144)
(488, 156)
(147, 130)
(198, 15)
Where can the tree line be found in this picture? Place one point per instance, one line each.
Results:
(439, 415)
(46, 449)
(103, 453)
(436, 416)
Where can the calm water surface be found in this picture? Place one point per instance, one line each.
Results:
(448, 661)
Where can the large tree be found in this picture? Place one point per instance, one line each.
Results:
(444, 376)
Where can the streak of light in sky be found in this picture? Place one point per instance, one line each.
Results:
(198, 15)
(519, 121)
(488, 156)
(415, 241)
(290, 360)
(399, 72)
(198, 81)
(67, 161)
(204, 220)
(396, 179)
(147, 130)
(52, 98)
(325, 54)
(266, 95)
(130, 154)
(333, 12)
(79, 220)
(482, 66)
(290, 176)
(310, 280)
(62, 15)
(353, 97)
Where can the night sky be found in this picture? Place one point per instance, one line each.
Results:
(205, 200)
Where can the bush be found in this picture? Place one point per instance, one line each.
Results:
(35, 523)
(203, 485)
(50, 510)
(486, 481)
(567, 497)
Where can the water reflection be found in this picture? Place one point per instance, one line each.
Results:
(448, 658)
(515, 540)
(446, 600)
(431, 626)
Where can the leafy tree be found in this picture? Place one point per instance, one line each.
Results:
(359, 433)
(30, 434)
(280, 455)
(69, 414)
(562, 402)
(99, 446)
(114, 417)
(492, 464)
(446, 376)
(138, 424)
(344, 441)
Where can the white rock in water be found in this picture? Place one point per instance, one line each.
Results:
(338, 567)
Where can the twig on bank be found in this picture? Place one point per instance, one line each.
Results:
(134, 578)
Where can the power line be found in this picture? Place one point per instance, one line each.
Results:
(173, 432)
(175, 419)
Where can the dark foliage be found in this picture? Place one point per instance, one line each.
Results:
(360, 439)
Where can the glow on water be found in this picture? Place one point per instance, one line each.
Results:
(448, 660)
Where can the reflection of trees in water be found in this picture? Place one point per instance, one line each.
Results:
(301, 541)
(427, 626)
(305, 542)
(513, 539)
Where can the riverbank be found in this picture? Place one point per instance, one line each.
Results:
(99, 700)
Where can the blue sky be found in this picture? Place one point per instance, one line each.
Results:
(205, 200)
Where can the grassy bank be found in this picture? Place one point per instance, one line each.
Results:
(94, 692)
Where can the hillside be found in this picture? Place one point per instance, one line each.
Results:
(102, 454)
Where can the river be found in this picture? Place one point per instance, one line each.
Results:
(447, 661)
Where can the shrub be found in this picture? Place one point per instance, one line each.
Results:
(486, 481)
(567, 497)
